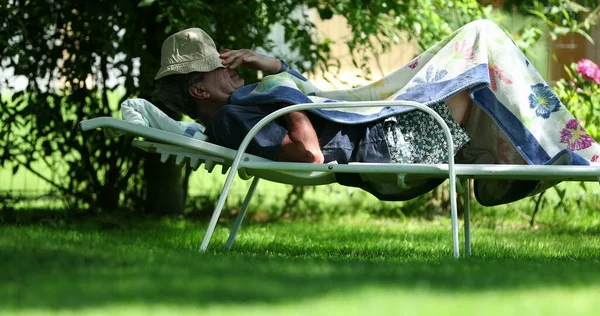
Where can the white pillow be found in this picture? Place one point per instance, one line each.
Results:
(142, 112)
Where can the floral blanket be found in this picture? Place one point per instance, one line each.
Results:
(531, 124)
(519, 119)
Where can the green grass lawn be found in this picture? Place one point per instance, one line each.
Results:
(353, 265)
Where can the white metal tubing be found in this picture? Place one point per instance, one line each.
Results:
(467, 215)
(475, 171)
(332, 105)
(242, 214)
(218, 208)
(479, 171)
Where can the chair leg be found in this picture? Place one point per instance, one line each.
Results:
(467, 198)
(454, 217)
(218, 209)
(240, 217)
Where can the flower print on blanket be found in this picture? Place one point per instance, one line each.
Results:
(413, 64)
(284, 79)
(378, 91)
(463, 50)
(575, 136)
(497, 74)
(430, 77)
(543, 100)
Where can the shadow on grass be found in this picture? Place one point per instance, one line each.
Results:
(77, 268)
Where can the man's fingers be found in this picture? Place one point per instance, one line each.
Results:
(238, 61)
(227, 60)
(228, 52)
(230, 57)
(235, 58)
(224, 54)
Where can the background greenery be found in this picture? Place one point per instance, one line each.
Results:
(84, 247)
(68, 50)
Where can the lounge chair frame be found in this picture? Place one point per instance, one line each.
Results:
(196, 152)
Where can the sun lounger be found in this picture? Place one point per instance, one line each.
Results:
(196, 152)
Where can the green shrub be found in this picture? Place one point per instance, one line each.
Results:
(580, 93)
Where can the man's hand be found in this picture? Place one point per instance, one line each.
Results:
(250, 59)
(301, 144)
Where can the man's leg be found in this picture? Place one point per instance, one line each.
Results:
(460, 106)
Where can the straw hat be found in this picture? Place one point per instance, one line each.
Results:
(188, 51)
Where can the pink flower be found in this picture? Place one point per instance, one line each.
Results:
(589, 69)
(595, 158)
(579, 90)
(497, 74)
(573, 82)
(463, 49)
(575, 136)
(413, 64)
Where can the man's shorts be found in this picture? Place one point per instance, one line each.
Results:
(416, 137)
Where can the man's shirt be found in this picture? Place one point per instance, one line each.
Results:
(339, 142)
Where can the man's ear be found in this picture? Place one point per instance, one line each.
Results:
(197, 92)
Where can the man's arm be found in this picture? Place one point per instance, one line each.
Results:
(301, 144)
(250, 59)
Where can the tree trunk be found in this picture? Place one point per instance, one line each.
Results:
(164, 182)
(164, 186)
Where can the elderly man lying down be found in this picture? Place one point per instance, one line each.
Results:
(496, 104)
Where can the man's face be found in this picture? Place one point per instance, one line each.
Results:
(220, 83)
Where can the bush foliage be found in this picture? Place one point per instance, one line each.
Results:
(76, 56)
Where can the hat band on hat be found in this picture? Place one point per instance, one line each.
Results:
(194, 62)
(207, 64)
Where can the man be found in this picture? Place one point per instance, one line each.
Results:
(518, 119)
(196, 80)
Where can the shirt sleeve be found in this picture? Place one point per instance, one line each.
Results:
(286, 68)
(231, 124)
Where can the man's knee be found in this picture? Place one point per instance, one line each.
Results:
(483, 24)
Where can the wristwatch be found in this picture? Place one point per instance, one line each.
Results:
(284, 66)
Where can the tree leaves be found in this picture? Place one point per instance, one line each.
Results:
(80, 60)
(146, 3)
(562, 17)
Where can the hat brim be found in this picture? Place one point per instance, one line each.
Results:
(207, 64)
